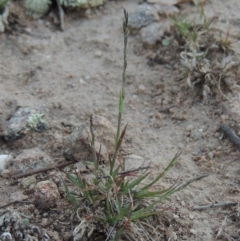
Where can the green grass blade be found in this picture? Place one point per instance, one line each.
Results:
(144, 212)
(70, 197)
(180, 187)
(163, 173)
(77, 181)
(134, 183)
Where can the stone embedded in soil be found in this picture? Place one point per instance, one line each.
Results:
(30, 160)
(133, 161)
(46, 195)
(6, 173)
(211, 154)
(18, 196)
(196, 135)
(141, 90)
(24, 120)
(54, 235)
(4, 159)
(189, 128)
(98, 53)
(231, 108)
(153, 33)
(143, 16)
(165, 9)
(28, 181)
(79, 145)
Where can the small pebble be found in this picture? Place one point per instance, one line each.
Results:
(191, 216)
(159, 116)
(159, 101)
(141, 90)
(211, 154)
(44, 222)
(217, 153)
(189, 128)
(6, 173)
(82, 81)
(98, 54)
(193, 231)
(196, 135)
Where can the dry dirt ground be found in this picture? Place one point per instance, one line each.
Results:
(78, 71)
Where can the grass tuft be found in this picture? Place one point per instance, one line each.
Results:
(118, 204)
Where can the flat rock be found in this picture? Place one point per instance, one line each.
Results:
(29, 160)
(153, 33)
(166, 9)
(133, 161)
(24, 120)
(196, 135)
(18, 196)
(143, 16)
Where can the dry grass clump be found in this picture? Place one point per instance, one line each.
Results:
(202, 54)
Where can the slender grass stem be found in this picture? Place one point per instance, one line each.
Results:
(122, 92)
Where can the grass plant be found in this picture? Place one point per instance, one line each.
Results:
(116, 204)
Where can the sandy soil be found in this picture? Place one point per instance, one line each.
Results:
(78, 71)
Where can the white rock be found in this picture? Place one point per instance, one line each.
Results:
(82, 81)
(193, 231)
(3, 161)
(133, 161)
(189, 128)
(98, 54)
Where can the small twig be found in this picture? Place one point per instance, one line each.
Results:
(133, 170)
(45, 169)
(15, 202)
(229, 133)
(214, 205)
(221, 228)
(129, 171)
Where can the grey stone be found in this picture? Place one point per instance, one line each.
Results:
(189, 128)
(196, 135)
(18, 196)
(25, 119)
(133, 161)
(143, 16)
(152, 33)
(211, 154)
(29, 160)
(166, 9)
(232, 108)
